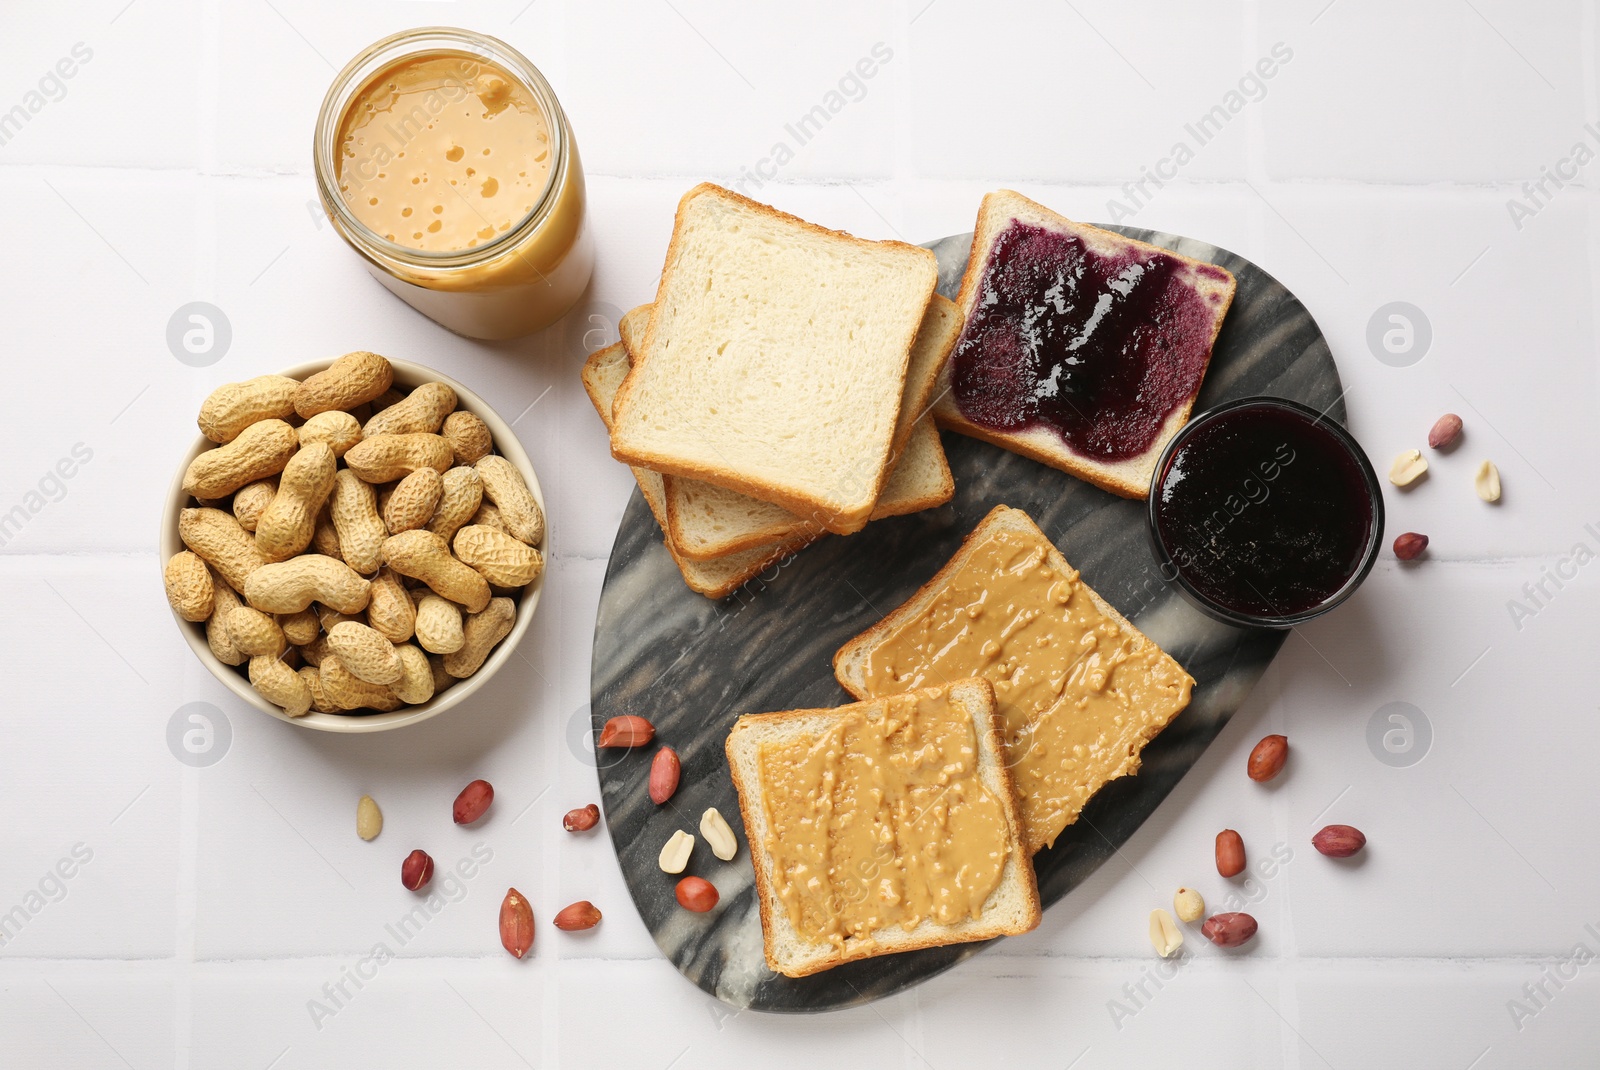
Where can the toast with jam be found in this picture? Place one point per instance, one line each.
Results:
(1082, 349)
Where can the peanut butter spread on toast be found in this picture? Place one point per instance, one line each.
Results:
(1079, 695)
(882, 819)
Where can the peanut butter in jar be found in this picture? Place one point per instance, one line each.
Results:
(444, 159)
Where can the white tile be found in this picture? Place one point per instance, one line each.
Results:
(217, 910)
(1486, 803)
(1103, 1013)
(286, 816)
(87, 747)
(108, 1014)
(714, 93)
(90, 308)
(296, 47)
(1450, 1016)
(1078, 92)
(1431, 92)
(369, 1008)
(670, 1018)
(105, 85)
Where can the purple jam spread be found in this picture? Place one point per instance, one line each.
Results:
(1100, 348)
(1264, 511)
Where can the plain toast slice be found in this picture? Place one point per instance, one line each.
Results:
(705, 521)
(775, 359)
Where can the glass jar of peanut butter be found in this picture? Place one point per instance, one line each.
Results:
(445, 160)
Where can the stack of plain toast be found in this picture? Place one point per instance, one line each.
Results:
(778, 388)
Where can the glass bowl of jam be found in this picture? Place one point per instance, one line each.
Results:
(1265, 513)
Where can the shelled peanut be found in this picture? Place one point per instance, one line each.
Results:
(293, 564)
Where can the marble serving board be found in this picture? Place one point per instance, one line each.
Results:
(693, 666)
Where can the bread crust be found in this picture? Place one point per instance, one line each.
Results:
(754, 816)
(828, 514)
(1129, 478)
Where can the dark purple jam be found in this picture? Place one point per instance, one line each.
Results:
(1100, 348)
(1265, 510)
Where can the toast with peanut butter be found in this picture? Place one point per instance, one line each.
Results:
(882, 826)
(1080, 689)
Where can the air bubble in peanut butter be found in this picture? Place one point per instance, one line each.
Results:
(416, 122)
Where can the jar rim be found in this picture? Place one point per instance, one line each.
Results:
(421, 41)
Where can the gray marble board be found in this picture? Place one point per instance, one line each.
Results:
(693, 666)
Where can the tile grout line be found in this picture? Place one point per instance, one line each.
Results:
(1430, 187)
(992, 965)
(552, 19)
(557, 27)
(1253, 46)
(203, 280)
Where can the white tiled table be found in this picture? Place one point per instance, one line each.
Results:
(220, 906)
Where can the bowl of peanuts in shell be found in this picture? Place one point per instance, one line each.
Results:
(355, 544)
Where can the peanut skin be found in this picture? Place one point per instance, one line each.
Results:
(339, 430)
(442, 681)
(285, 528)
(290, 586)
(251, 500)
(438, 625)
(280, 685)
(226, 601)
(368, 655)
(461, 492)
(483, 630)
(319, 701)
(352, 380)
(343, 689)
(391, 396)
(384, 458)
(413, 502)
(324, 536)
(300, 628)
(504, 486)
(219, 541)
(189, 587)
(390, 612)
(1230, 853)
(490, 517)
(255, 634)
(260, 450)
(501, 559)
(423, 411)
(468, 435)
(415, 685)
(424, 556)
(233, 407)
(355, 518)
